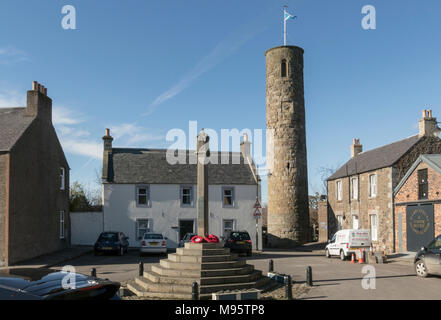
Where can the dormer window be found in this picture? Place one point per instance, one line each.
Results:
(62, 178)
(284, 68)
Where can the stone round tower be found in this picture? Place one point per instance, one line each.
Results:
(288, 204)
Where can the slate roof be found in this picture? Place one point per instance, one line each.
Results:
(432, 160)
(13, 123)
(374, 159)
(136, 166)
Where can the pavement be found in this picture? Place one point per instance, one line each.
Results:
(56, 258)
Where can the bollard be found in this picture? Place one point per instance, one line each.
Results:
(93, 272)
(141, 268)
(309, 276)
(288, 288)
(271, 265)
(194, 291)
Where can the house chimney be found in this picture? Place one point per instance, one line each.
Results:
(38, 103)
(245, 148)
(356, 148)
(428, 125)
(107, 156)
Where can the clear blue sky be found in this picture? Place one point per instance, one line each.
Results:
(204, 61)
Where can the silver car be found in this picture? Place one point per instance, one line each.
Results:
(153, 243)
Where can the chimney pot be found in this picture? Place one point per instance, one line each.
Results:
(424, 113)
(356, 147)
(107, 132)
(34, 85)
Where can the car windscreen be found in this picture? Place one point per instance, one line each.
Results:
(108, 237)
(155, 236)
(239, 236)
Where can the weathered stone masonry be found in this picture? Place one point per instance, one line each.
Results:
(288, 211)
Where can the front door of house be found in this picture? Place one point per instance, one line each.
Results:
(185, 226)
(419, 226)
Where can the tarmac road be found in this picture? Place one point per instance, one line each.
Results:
(333, 279)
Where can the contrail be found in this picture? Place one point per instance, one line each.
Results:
(223, 50)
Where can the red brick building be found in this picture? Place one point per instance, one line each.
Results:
(417, 201)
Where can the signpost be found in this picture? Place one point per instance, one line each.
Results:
(257, 214)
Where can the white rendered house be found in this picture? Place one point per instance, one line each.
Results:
(143, 192)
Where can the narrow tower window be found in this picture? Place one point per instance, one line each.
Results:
(284, 71)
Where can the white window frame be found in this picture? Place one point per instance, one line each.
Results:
(224, 234)
(148, 229)
(354, 188)
(62, 225)
(63, 178)
(191, 204)
(339, 190)
(373, 187)
(147, 187)
(339, 223)
(233, 197)
(374, 227)
(355, 218)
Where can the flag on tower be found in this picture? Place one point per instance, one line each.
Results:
(289, 16)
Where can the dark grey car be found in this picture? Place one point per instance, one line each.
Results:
(112, 241)
(428, 259)
(49, 284)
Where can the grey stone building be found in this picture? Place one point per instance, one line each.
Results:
(288, 205)
(360, 193)
(34, 181)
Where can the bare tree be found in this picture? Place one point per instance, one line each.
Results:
(325, 172)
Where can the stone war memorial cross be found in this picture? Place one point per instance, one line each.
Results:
(202, 152)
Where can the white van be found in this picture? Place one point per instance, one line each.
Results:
(346, 242)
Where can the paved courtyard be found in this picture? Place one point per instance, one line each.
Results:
(333, 279)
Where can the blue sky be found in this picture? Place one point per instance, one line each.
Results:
(145, 67)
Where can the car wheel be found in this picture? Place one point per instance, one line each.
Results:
(249, 253)
(328, 255)
(96, 253)
(342, 255)
(420, 269)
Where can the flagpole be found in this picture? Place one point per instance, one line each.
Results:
(284, 26)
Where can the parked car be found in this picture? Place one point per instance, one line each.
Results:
(47, 284)
(428, 260)
(153, 243)
(346, 242)
(187, 238)
(112, 241)
(239, 241)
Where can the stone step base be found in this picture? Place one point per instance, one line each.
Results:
(245, 269)
(150, 286)
(188, 280)
(202, 246)
(140, 292)
(203, 252)
(201, 266)
(198, 259)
